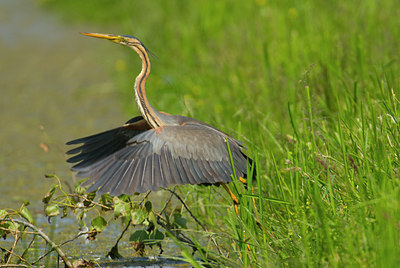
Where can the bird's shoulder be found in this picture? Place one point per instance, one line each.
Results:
(190, 126)
(189, 138)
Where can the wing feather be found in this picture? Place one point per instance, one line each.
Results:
(204, 169)
(194, 164)
(119, 187)
(191, 174)
(226, 170)
(158, 173)
(141, 176)
(135, 158)
(115, 179)
(93, 155)
(166, 170)
(134, 179)
(174, 171)
(181, 170)
(103, 175)
(214, 175)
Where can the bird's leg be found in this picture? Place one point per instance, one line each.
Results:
(254, 202)
(244, 181)
(234, 198)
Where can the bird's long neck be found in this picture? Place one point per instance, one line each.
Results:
(149, 113)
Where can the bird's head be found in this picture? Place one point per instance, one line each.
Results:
(126, 40)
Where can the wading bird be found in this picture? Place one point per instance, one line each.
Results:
(155, 150)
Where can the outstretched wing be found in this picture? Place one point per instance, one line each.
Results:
(132, 159)
(99, 146)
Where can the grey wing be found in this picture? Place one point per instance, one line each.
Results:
(99, 146)
(159, 158)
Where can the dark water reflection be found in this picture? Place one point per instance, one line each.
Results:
(51, 90)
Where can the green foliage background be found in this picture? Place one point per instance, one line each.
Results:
(311, 88)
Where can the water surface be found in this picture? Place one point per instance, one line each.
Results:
(54, 88)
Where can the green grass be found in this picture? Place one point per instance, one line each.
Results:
(311, 88)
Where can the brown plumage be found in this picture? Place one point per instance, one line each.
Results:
(155, 150)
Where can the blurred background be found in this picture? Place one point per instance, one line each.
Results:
(50, 86)
(245, 67)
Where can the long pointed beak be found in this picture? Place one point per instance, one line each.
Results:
(111, 37)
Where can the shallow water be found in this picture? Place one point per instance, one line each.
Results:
(54, 88)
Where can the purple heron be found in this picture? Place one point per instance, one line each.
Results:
(155, 150)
